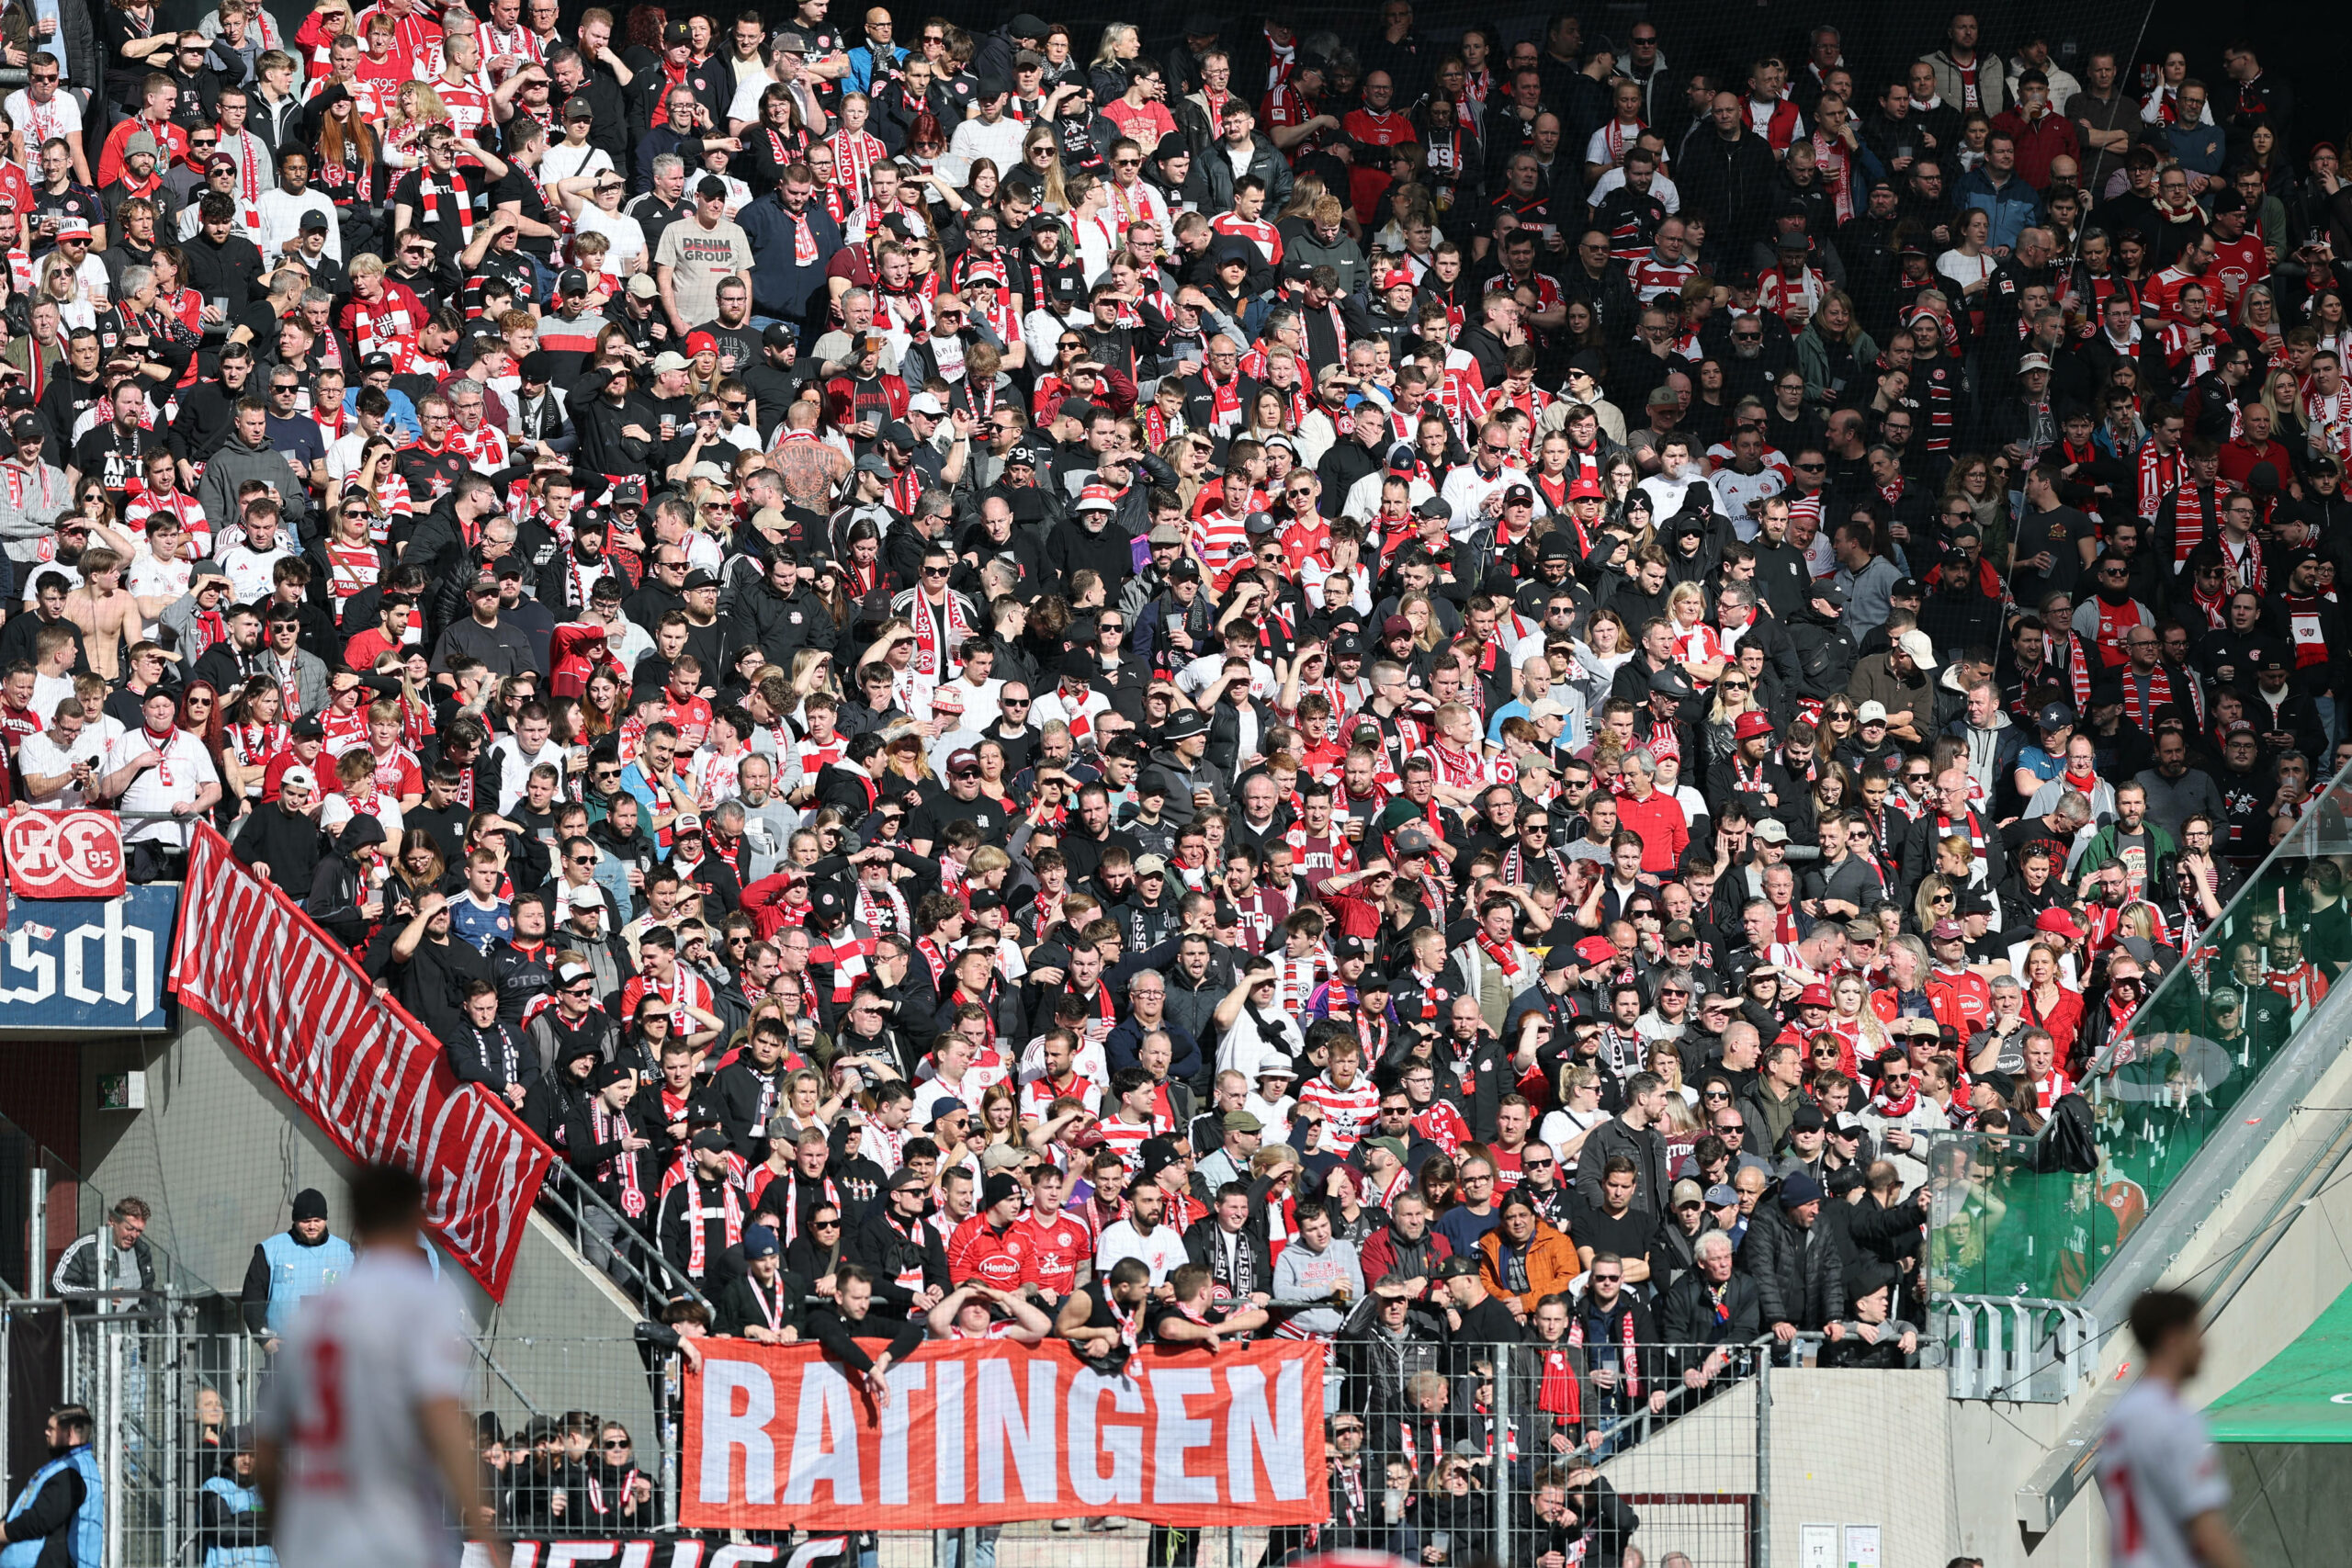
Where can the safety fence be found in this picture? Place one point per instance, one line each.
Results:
(1442, 1454)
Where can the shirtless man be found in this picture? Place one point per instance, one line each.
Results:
(104, 610)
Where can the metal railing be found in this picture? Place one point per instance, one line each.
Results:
(2017, 1347)
(609, 1241)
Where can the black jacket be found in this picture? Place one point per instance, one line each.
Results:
(1799, 1280)
(877, 1242)
(1686, 1320)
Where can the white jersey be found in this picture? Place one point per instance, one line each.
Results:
(361, 1489)
(2158, 1470)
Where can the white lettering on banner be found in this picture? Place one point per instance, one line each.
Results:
(39, 965)
(1031, 1439)
(1254, 1430)
(724, 1430)
(247, 960)
(126, 968)
(824, 1446)
(947, 1438)
(685, 1553)
(1178, 1435)
(906, 1381)
(990, 1433)
(1088, 1441)
(112, 934)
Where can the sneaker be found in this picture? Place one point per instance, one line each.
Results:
(1061, 1524)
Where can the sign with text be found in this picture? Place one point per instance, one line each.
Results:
(984, 1432)
(664, 1550)
(65, 854)
(249, 962)
(88, 965)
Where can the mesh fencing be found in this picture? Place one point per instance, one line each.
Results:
(1468, 1459)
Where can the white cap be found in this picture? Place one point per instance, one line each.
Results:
(925, 403)
(1914, 642)
(298, 777)
(1872, 712)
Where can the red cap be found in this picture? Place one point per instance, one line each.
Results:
(1594, 950)
(700, 343)
(2058, 923)
(1587, 488)
(1751, 724)
(1397, 278)
(1814, 995)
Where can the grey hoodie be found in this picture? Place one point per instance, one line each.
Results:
(230, 467)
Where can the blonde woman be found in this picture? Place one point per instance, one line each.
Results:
(1695, 642)
(1427, 631)
(1578, 1112)
(62, 285)
(416, 108)
(1936, 899)
(1041, 157)
(1855, 1022)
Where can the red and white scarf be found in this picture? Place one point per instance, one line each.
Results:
(1502, 955)
(698, 1230)
(932, 651)
(612, 1127)
(428, 194)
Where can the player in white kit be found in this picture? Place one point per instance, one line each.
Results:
(2167, 1499)
(366, 1451)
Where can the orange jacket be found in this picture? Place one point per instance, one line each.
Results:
(1551, 1262)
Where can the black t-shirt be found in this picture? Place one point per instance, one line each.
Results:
(930, 820)
(448, 229)
(519, 188)
(1629, 1235)
(76, 204)
(2056, 531)
(1161, 1312)
(113, 457)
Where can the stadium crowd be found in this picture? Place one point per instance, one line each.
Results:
(1436, 694)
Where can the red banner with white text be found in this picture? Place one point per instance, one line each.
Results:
(251, 964)
(983, 1432)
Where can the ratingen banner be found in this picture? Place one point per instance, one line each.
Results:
(983, 1432)
(252, 965)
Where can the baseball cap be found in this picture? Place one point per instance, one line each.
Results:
(1772, 830)
(1871, 712)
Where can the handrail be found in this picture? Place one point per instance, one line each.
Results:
(650, 1291)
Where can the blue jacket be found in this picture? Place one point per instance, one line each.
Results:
(861, 64)
(2012, 207)
(85, 1538)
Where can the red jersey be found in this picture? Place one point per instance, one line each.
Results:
(1054, 1245)
(997, 1257)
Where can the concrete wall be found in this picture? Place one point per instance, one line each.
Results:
(220, 1155)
